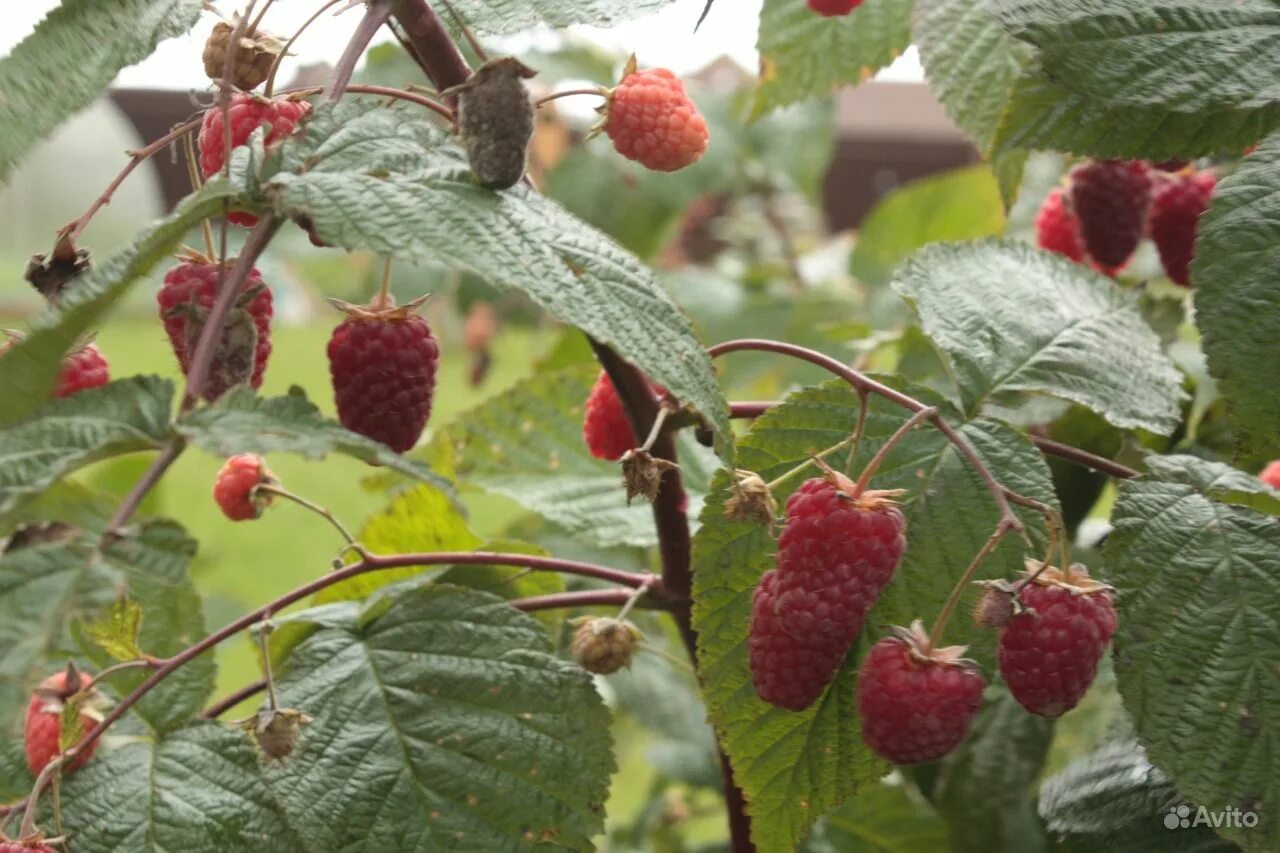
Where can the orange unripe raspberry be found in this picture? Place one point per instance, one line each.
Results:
(652, 120)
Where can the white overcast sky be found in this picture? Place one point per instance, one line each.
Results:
(665, 38)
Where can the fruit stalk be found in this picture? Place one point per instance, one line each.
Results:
(314, 507)
(226, 703)
(377, 13)
(168, 455)
(578, 598)
(940, 623)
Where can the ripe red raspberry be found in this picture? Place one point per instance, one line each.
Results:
(1111, 198)
(84, 368)
(43, 726)
(247, 113)
(834, 8)
(241, 356)
(916, 702)
(383, 361)
(29, 845)
(651, 120)
(1175, 216)
(605, 426)
(837, 551)
(234, 488)
(1057, 228)
(1271, 474)
(1049, 653)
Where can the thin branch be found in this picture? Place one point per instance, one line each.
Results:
(750, 410)
(145, 484)
(940, 623)
(376, 14)
(865, 383)
(314, 507)
(284, 51)
(599, 92)
(579, 598)
(632, 580)
(1083, 457)
(386, 91)
(885, 449)
(226, 703)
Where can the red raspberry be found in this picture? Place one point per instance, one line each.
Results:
(185, 299)
(43, 726)
(234, 487)
(30, 845)
(383, 361)
(247, 113)
(605, 426)
(1057, 228)
(84, 368)
(1271, 474)
(1111, 199)
(651, 120)
(834, 8)
(1049, 653)
(837, 551)
(1175, 216)
(916, 703)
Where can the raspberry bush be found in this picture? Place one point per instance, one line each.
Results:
(1008, 582)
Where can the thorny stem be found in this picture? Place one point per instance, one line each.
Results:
(226, 703)
(387, 91)
(74, 228)
(863, 382)
(885, 449)
(598, 91)
(935, 635)
(376, 14)
(314, 507)
(145, 483)
(284, 51)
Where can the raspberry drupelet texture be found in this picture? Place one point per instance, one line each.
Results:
(1271, 474)
(1175, 217)
(1049, 654)
(1057, 229)
(835, 555)
(242, 353)
(246, 114)
(84, 368)
(1111, 198)
(383, 367)
(834, 8)
(916, 706)
(605, 427)
(233, 490)
(43, 725)
(652, 120)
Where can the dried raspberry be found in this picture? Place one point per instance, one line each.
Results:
(383, 361)
(43, 724)
(495, 121)
(84, 368)
(1111, 198)
(247, 113)
(837, 551)
(603, 645)
(916, 703)
(185, 298)
(834, 8)
(1049, 654)
(1271, 474)
(1057, 228)
(277, 731)
(605, 426)
(1175, 216)
(651, 120)
(234, 489)
(254, 55)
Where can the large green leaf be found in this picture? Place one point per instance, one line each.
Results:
(121, 417)
(1199, 637)
(804, 55)
(1011, 318)
(28, 371)
(242, 422)
(963, 204)
(506, 16)
(419, 201)
(441, 720)
(1114, 799)
(199, 789)
(796, 766)
(881, 819)
(1238, 299)
(527, 444)
(73, 54)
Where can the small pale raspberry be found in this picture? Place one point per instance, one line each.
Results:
(235, 489)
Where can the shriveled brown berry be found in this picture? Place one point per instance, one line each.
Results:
(254, 54)
(495, 121)
(603, 645)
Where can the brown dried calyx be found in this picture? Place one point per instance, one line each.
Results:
(750, 499)
(255, 54)
(51, 273)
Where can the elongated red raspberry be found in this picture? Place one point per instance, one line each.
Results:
(1057, 228)
(233, 490)
(836, 553)
(1110, 198)
(916, 703)
(43, 726)
(241, 356)
(246, 114)
(652, 120)
(382, 361)
(84, 368)
(1175, 217)
(605, 426)
(1271, 474)
(1049, 654)
(834, 8)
